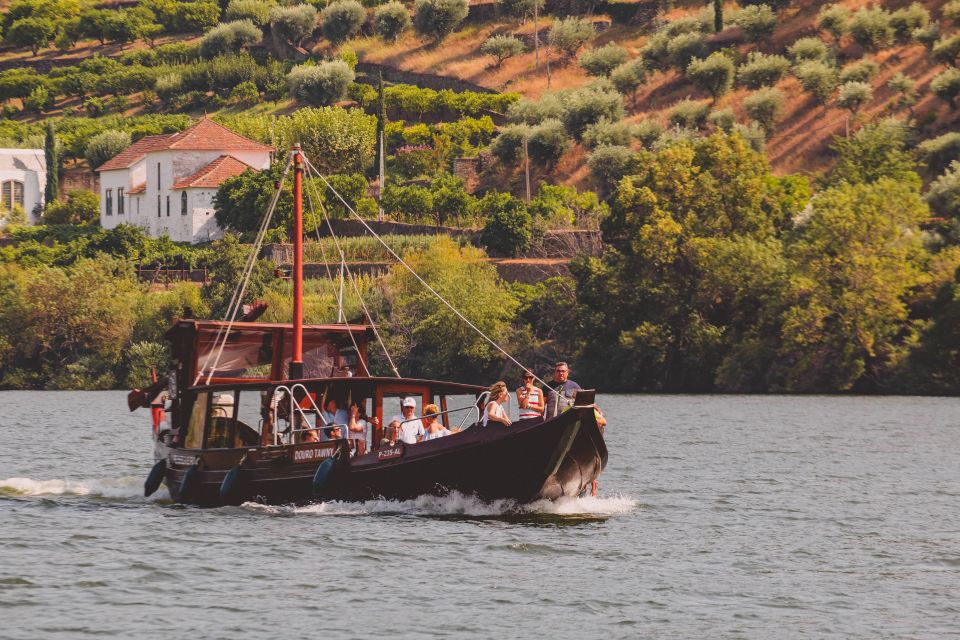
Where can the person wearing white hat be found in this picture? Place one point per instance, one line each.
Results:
(411, 428)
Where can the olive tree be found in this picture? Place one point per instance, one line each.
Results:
(322, 84)
(833, 19)
(341, 20)
(104, 146)
(628, 76)
(946, 86)
(761, 70)
(229, 37)
(870, 27)
(817, 78)
(765, 106)
(256, 11)
(809, 48)
(602, 61)
(568, 35)
(502, 47)
(946, 50)
(437, 19)
(689, 114)
(854, 95)
(757, 21)
(293, 24)
(391, 20)
(714, 74)
(906, 20)
(862, 71)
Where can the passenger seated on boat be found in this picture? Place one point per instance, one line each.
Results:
(494, 411)
(411, 428)
(333, 433)
(391, 434)
(432, 427)
(332, 415)
(309, 436)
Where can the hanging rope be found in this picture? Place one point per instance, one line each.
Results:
(422, 281)
(343, 262)
(236, 301)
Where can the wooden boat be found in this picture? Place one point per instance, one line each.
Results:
(243, 397)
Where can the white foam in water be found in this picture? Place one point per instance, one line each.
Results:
(126, 487)
(457, 504)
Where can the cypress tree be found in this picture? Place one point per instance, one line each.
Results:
(718, 15)
(52, 191)
(381, 124)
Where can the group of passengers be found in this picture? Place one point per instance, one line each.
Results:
(409, 429)
(530, 398)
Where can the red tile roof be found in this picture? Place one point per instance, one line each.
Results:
(132, 154)
(213, 174)
(140, 188)
(206, 135)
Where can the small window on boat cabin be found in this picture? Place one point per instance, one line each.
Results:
(197, 422)
(247, 354)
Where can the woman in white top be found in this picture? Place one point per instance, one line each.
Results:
(358, 426)
(433, 428)
(495, 412)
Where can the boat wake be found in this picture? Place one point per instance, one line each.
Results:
(457, 504)
(125, 488)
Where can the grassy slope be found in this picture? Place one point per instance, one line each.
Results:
(800, 143)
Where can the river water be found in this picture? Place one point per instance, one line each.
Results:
(719, 516)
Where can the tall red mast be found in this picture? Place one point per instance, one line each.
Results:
(296, 364)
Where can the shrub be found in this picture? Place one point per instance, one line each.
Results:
(104, 146)
(437, 19)
(80, 207)
(870, 28)
(944, 194)
(722, 119)
(95, 107)
(647, 132)
(713, 74)
(322, 84)
(761, 70)
(606, 132)
(862, 71)
(293, 24)
(534, 111)
(602, 61)
(654, 53)
(765, 106)
(905, 86)
(907, 20)
(689, 114)
(853, 95)
(256, 11)
(391, 20)
(684, 48)
(808, 49)
(609, 164)
(412, 204)
(507, 147)
(501, 48)
(833, 19)
(757, 21)
(39, 100)
(946, 50)
(753, 133)
(928, 35)
(628, 76)
(946, 86)
(589, 105)
(414, 161)
(568, 35)
(940, 152)
(817, 78)
(229, 37)
(168, 86)
(245, 93)
(507, 231)
(951, 11)
(519, 8)
(548, 141)
(342, 20)
(686, 24)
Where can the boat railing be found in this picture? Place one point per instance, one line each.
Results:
(295, 409)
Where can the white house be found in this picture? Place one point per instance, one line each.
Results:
(165, 184)
(23, 179)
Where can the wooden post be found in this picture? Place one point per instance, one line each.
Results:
(536, 35)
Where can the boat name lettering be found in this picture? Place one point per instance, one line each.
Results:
(184, 460)
(314, 453)
(387, 454)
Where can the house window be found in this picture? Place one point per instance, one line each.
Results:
(158, 205)
(158, 175)
(109, 204)
(183, 203)
(138, 205)
(12, 194)
(168, 206)
(120, 205)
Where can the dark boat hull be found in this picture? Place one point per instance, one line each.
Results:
(526, 461)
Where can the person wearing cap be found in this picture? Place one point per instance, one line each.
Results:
(411, 428)
(530, 398)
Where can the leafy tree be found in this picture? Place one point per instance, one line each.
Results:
(853, 95)
(717, 16)
(522, 9)
(412, 203)
(609, 163)
(451, 202)
(256, 11)
(723, 119)
(874, 152)
(602, 61)
(229, 37)
(35, 33)
(682, 49)
(507, 230)
(939, 152)
(39, 100)
(20, 83)
(391, 20)
(946, 86)
(757, 21)
(336, 140)
(951, 11)
(761, 70)
(713, 74)
(871, 28)
(322, 84)
(437, 19)
(569, 35)
(946, 50)
(862, 71)
(906, 88)
(245, 93)
(833, 19)
(765, 106)
(507, 147)
(906, 20)
(80, 207)
(944, 194)
(293, 24)
(198, 15)
(606, 132)
(689, 114)
(548, 141)
(241, 201)
(628, 76)
(96, 23)
(104, 146)
(654, 53)
(51, 155)
(805, 49)
(225, 270)
(817, 78)
(590, 104)
(501, 48)
(342, 20)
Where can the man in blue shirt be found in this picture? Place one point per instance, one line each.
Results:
(563, 388)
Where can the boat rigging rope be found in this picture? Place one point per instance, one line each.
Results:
(421, 280)
(237, 300)
(343, 262)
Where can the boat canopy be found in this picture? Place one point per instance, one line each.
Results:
(223, 353)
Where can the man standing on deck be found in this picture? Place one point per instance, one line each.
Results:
(563, 388)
